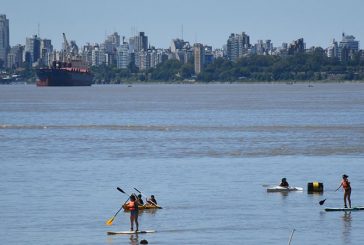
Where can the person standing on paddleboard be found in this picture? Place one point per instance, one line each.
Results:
(134, 212)
(345, 183)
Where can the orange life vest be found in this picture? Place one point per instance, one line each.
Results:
(346, 184)
(131, 205)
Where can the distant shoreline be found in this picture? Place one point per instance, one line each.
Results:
(206, 83)
(235, 82)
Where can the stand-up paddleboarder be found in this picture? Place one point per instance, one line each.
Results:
(134, 212)
(345, 183)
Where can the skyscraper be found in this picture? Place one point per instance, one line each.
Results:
(123, 56)
(112, 43)
(237, 46)
(32, 49)
(296, 47)
(4, 40)
(15, 56)
(333, 50)
(199, 57)
(138, 43)
(181, 50)
(347, 46)
(46, 50)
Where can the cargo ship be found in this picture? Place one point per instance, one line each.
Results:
(71, 71)
(63, 74)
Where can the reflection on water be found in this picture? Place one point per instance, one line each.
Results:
(346, 227)
(151, 211)
(134, 239)
(284, 194)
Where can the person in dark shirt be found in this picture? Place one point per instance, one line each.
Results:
(140, 200)
(284, 183)
(152, 200)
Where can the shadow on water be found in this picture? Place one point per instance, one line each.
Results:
(346, 232)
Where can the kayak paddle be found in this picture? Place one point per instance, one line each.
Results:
(109, 222)
(121, 190)
(322, 202)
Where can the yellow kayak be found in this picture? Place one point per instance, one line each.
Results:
(142, 207)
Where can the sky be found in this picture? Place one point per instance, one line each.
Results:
(205, 21)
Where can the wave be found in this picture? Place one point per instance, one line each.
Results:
(189, 127)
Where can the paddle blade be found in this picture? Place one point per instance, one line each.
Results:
(121, 190)
(137, 190)
(322, 202)
(109, 222)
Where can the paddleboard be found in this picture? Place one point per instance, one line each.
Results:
(283, 189)
(128, 232)
(344, 209)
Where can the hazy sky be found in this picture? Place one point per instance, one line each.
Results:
(209, 22)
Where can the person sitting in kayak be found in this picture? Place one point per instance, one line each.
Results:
(345, 183)
(134, 212)
(152, 200)
(284, 183)
(140, 200)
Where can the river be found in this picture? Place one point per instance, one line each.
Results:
(207, 152)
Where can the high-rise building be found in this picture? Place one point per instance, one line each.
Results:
(46, 50)
(114, 40)
(123, 56)
(237, 46)
(32, 49)
(208, 55)
(15, 56)
(111, 44)
(218, 53)
(157, 56)
(262, 47)
(333, 50)
(87, 54)
(138, 43)
(144, 59)
(98, 56)
(296, 47)
(347, 47)
(199, 54)
(4, 40)
(181, 50)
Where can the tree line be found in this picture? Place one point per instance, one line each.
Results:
(314, 66)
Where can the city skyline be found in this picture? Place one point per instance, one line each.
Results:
(211, 24)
